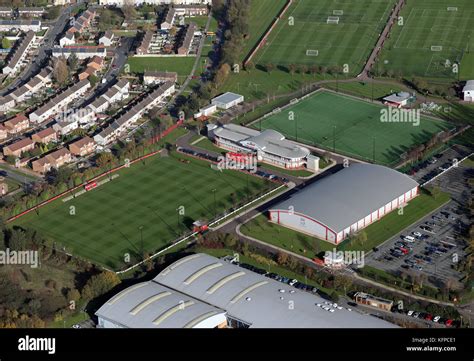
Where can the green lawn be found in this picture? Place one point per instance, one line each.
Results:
(208, 145)
(377, 233)
(393, 223)
(181, 65)
(356, 125)
(365, 90)
(262, 13)
(467, 66)
(106, 224)
(428, 23)
(348, 42)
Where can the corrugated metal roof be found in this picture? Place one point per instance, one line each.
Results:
(342, 199)
(255, 299)
(150, 305)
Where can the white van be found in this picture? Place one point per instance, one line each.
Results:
(409, 239)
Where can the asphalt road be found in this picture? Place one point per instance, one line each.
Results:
(121, 54)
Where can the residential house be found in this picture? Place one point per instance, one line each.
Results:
(82, 52)
(17, 124)
(107, 39)
(188, 40)
(3, 132)
(7, 103)
(23, 25)
(45, 136)
(145, 43)
(59, 102)
(55, 159)
(168, 19)
(67, 39)
(153, 77)
(17, 148)
(19, 54)
(82, 147)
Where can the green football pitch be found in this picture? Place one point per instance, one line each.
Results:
(356, 124)
(432, 37)
(108, 222)
(303, 36)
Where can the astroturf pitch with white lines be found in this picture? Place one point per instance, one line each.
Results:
(304, 32)
(432, 36)
(106, 222)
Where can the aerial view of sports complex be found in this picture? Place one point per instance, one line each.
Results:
(171, 164)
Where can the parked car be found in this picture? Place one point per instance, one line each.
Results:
(292, 282)
(436, 319)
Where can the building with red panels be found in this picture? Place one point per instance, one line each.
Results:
(345, 202)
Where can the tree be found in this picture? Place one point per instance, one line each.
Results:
(282, 258)
(269, 67)
(173, 31)
(100, 284)
(303, 69)
(73, 62)
(104, 159)
(60, 70)
(93, 79)
(128, 10)
(17, 240)
(292, 69)
(6, 44)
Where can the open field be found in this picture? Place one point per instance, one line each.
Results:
(107, 221)
(262, 13)
(354, 123)
(365, 90)
(428, 24)
(181, 65)
(348, 42)
(377, 232)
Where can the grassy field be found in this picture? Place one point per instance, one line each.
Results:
(181, 65)
(106, 224)
(356, 125)
(467, 67)
(262, 13)
(348, 42)
(377, 232)
(365, 90)
(428, 23)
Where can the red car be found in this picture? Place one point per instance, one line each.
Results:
(429, 317)
(449, 322)
(404, 250)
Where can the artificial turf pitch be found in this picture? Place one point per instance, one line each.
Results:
(107, 220)
(356, 125)
(304, 27)
(428, 23)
